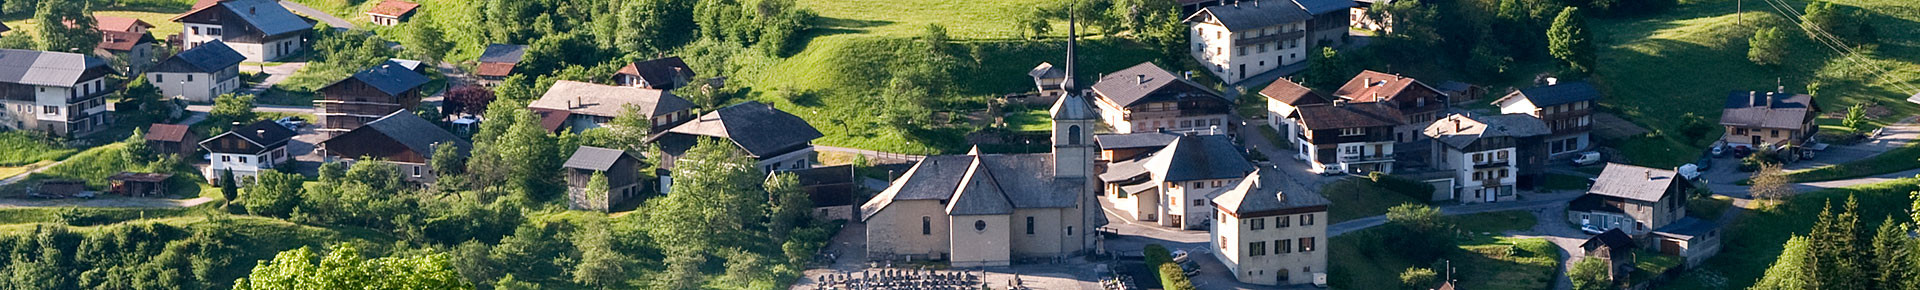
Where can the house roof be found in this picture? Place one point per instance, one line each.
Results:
(406, 63)
(1265, 191)
(1459, 131)
(266, 15)
(45, 68)
(417, 134)
(212, 56)
(1562, 93)
(4, 28)
(1686, 228)
(552, 119)
(1291, 93)
(263, 132)
(1453, 86)
(1199, 157)
(494, 69)
(503, 53)
(1146, 81)
(594, 158)
(1135, 140)
(1254, 15)
(1632, 182)
(1020, 180)
(123, 41)
(1073, 107)
(1592, 203)
(390, 78)
(1616, 241)
(393, 8)
(826, 185)
(121, 24)
(658, 71)
(1046, 71)
(1767, 110)
(1372, 86)
(757, 127)
(1124, 170)
(167, 132)
(609, 101)
(1361, 115)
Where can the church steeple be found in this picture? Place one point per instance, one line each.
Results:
(1073, 37)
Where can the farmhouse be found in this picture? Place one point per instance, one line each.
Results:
(1421, 104)
(401, 138)
(1146, 98)
(1769, 119)
(198, 74)
(1567, 108)
(581, 106)
(1248, 38)
(261, 30)
(620, 168)
(1486, 154)
(1047, 80)
(126, 39)
(1342, 137)
(57, 93)
(1284, 98)
(497, 62)
(1634, 199)
(660, 74)
(1175, 181)
(775, 139)
(367, 95)
(174, 139)
(391, 12)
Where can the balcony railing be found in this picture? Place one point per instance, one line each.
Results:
(1365, 158)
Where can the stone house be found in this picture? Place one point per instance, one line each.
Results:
(1484, 154)
(1637, 200)
(1248, 38)
(1776, 119)
(1172, 185)
(1146, 98)
(1269, 236)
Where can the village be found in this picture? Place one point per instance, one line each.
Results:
(1253, 144)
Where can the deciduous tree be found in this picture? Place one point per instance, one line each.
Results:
(1767, 47)
(1590, 274)
(66, 26)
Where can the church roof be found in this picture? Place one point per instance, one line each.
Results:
(982, 184)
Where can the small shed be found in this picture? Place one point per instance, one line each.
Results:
(174, 139)
(140, 184)
(1616, 248)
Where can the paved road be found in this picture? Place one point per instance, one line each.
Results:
(1535, 201)
(316, 14)
(258, 108)
(873, 155)
(275, 75)
(1725, 171)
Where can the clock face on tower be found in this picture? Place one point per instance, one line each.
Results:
(980, 225)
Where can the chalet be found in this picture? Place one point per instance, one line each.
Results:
(198, 74)
(1248, 38)
(402, 138)
(620, 168)
(57, 93)
(1047, 80)
(1145, 98)
(831, 188)
(497, 62)
(661, 74)
(1176, 181)
(1616, 249)
(1636, 200)
(391, 12)
(412, 65)
(1270, 236)
(246, 150)
(262, 30)
(1485, 153)
(1284, 98)
(775, 139)
(367, 95)
(163, 139)
(1342, 137)
(1421, 104)
(126, 39)
(1769, 120)
(1461, 92)
(582, 106)
(1122, 147)
(1567, 108)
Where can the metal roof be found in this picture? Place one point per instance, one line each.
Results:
(594, 158)
(45, 68)
(1562, 93)
(1199, 158)
(1459, 131)
(1243, 16)
(503, 53)
(212, 56)
(1633, 182)
(609, 101)
(754, 126)
(414, 132)
(1146, 80)
(390, 77)
(1134, 140)
(1265, 191)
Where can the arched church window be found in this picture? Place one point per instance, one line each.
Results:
(1073, 135)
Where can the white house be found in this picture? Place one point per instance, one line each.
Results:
(1247, 38)
(58, 93)
(1355, 138)
(1172, 185)
(246, 150)
(1269, 236)
(1483, 153)
(198, 74)
(261, 30)
(1567, 108)
(1284, 97)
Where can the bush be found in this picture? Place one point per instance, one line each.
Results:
(1414, 188)
(1418, 278)
(1171, 276)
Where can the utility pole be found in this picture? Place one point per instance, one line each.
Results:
(1738, 17)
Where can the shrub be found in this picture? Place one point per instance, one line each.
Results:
(1417, 277)
(1171, 276)
(1414, 188)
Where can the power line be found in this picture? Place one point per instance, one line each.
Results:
(1835, 43)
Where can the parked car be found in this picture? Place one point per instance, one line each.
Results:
(1705, 163)
(1742, 151)
(292, 123)
(1591, 229)
(1718, 150)
(1332, 170)
(1689, 171)
(1587, 158)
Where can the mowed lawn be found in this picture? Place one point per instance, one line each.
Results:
(1754, 243)
(162, 22)
(1485, 259)
(1655, 69)
(972, 19)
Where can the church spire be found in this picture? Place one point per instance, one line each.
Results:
(1072, 37)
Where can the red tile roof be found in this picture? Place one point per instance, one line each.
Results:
(1372, 86)
(123, 41)
(493, 69)
(122, 24)
(1291, 93)
(393, 8)
(167, 132)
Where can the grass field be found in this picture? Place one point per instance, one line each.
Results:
(1755, 242)
(20, 148)
(160, 17)
(1357, 198)
(1485, 260)
(1686, 61)
(976, 19)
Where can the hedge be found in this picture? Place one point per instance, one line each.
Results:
(1414, 188)
(1171, 276)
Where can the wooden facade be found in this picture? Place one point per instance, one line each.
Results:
(350, 103)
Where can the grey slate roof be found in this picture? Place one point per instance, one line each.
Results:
(1687, 228)
(1632, 182)
(1146, 80)
(1135, 140)
(1046, 71)
(1468, 129)
(1022, 180)
(608, 101)
(1562, 93)
(212, 56)
(594, 158)
(390, 77)
(416, 133)
(1199, 158)
(503, 53)
(1759, 109)
(756, 127)
(1247, 15)
(45, 68)
(265, 132)
(268, 16)
(406, 63)
(1317, 7)
(1266, 191)
(1361, 115)
(1615, 240)
(1123, 170)
(1073, 107)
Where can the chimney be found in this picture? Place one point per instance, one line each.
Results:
(1781, 89)
(1456, 123)
(1369, 82)
(260, 132)
(1140, 79)
(1339, 103)
(1771, 100)
(1553, 81)
(1187, 75)
(1649, 174)
(569, 105)
(253, 10)
(1753, 98)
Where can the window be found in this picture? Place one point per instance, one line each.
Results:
(1503, 173)
(243, 159)
(979, 225)
(50, 109)
(159, 78)
(1476, 176)
(189, 77)
(1069, 231)
(1283, 276)
(926, 226)
(1776, 133)
(1258, 223)
(1186, 123)
(1306, 244)
(1739, 131)
(416, 171)
(1223, 243)
(1073, 135)
(1029, 225)
(224, 158)
(196, 31)
(1306, 219)
(1242, 51)
(1200, 202)
(1350, 150)
(1479, 158)
(1283, 221)
(1199, 184)
(1257, 249)
(1503, 156)
(1282, 246)
(1353, 131)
